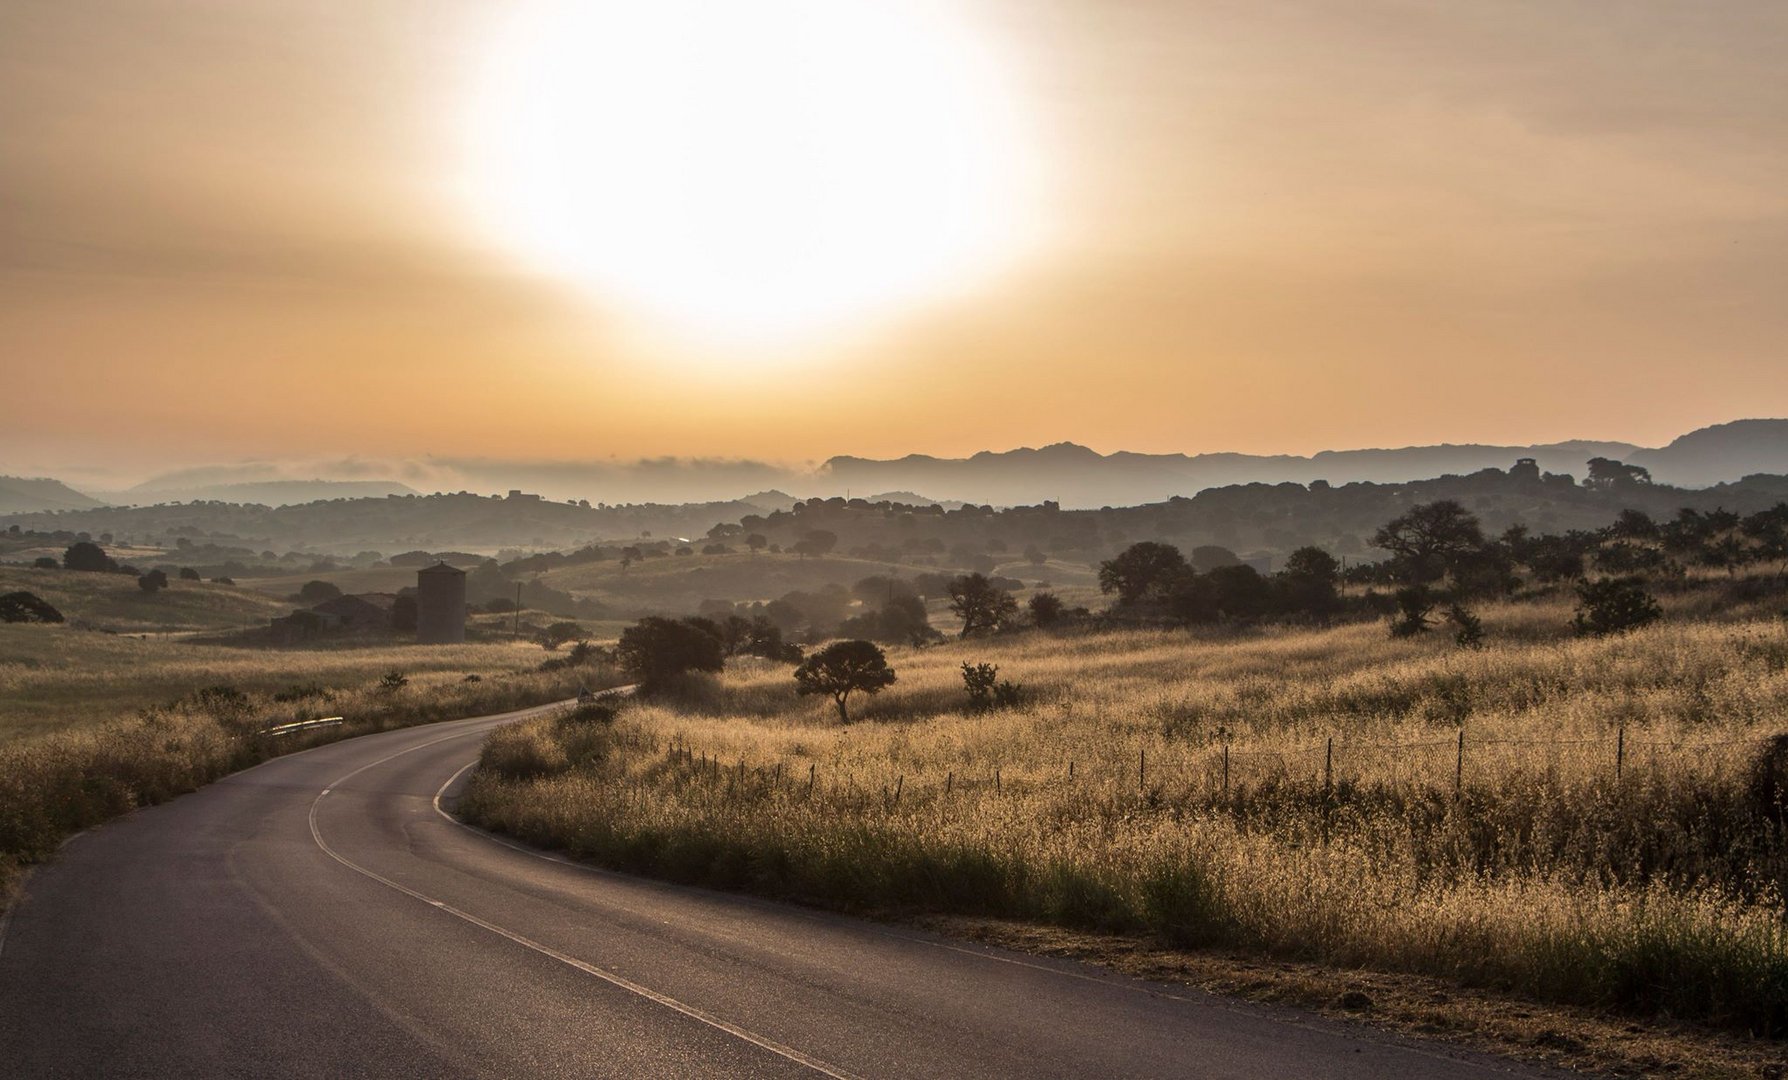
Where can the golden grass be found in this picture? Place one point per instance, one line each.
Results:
(54, 677)
(114, 601)
(1544, 873)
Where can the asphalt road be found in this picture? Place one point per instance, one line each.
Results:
(320, 915)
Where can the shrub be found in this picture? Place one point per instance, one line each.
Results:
(45, 562)
(1414, 604)
(152, 582)
(316, 592)
(1046, 609)
(1470, 628)
(559, 633)
(393, 680)
(24, 607)
(1614, 606)
(985, 690)
(187, 573)
(86, 555)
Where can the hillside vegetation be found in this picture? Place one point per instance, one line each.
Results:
(115, 602)
(1576, 818)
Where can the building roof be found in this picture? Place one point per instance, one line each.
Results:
(441, 568)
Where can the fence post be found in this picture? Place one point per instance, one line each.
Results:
(1328, 766)
(1225, 768)
(898, 786)
(949, 782)
(998, 788)
(1459, 767)
(810, 766)
(1142, 765)
(1070, 770)
(1620, 752)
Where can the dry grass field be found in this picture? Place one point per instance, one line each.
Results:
(1292, 792)
(114, 602)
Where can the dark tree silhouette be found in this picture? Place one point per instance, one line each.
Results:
(187, 573)
(24, 607)
(1430, 540)
(1143, 571)
(153, 581)
(315, 592)
(1046, 609)
(656, 650)
(86, 555)
(980, 604)
(843, 668)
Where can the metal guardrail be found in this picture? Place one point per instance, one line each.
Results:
(302, 725)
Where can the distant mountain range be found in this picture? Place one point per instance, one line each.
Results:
(1073, 476)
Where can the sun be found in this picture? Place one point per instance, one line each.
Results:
(753, 171)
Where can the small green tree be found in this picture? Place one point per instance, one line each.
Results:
(985, 690)
(1614, 606)
(86, 555)
(1414, 604)
(1141, 571)
(841, 669)
(1469, 629)
(1046, 609)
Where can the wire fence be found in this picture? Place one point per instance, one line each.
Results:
(1447, 764)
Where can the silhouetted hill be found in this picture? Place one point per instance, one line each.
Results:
(19, 495)
(1076, 476)
(267, 492)
(1722, 452)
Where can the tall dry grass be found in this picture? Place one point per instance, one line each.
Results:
(1346, 831)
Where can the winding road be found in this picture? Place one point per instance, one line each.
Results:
(322, 915)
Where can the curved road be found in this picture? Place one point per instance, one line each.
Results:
(320, 915)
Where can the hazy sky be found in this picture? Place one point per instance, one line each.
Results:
(240, 228)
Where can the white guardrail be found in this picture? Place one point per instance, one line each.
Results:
(302, 725)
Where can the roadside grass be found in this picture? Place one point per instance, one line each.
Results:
(1604, 845)
(54, 785)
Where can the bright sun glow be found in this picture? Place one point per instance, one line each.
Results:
(754, 170)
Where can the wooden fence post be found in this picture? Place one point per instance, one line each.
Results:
(1328, 766)
(810, 767)
(949, 782)
(1225, 768)
(898, 786)
(1070, 770)
(1620, 752)
(998, 788)
(1459, 767)
(1142, 766)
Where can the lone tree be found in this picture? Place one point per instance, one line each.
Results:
(1143, 571)
(1046, 609)
(153, 581)
(559, 633)
(656, 650)
(1430, 541)
(843, 667)
(187, 573)
(980, 604)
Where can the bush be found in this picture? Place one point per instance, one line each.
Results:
(1470, 628)
(1414, 604)
(24, 607)
(656, 650)
(152, 582)
(45, 562)
(986, 693)
(1614, 606)
(88, 556)
(393, 680)
(559, 633)
(1046, 609)
(187, 573)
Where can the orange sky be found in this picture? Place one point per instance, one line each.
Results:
(230, 229)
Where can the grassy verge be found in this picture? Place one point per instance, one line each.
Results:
(1604, 846)
(54, 785)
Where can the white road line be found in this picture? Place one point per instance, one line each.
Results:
(787, 1052)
